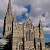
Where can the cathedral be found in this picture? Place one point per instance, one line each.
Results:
(23, 36)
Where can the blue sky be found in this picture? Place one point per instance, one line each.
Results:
(34, 9)
(47, 37)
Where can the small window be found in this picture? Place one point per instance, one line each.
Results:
(20, 47)
(8, 28)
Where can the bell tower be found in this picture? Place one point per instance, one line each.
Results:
(8, 21)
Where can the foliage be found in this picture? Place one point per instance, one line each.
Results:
(48, 44)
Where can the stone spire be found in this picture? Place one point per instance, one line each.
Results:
(41, 36)
(9, 11)
(40, 24)
(8, 21)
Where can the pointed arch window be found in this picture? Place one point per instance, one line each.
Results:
(20, 46)
(29, 36)
(8, 28)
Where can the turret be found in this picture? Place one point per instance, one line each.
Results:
(41, 36)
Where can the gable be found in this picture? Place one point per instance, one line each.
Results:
(28, 21)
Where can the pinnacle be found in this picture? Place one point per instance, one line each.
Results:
(9, 7)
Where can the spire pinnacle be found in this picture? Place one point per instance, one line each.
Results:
(9, 11)
(40, 24)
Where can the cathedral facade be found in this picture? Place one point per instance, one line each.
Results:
(23, 36)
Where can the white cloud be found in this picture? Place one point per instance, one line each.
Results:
(3, 41)
(1, 22)
(44, 21)
(46, 29)
(18, 10)
(3, 8)
(37, 8)
(35, 20)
